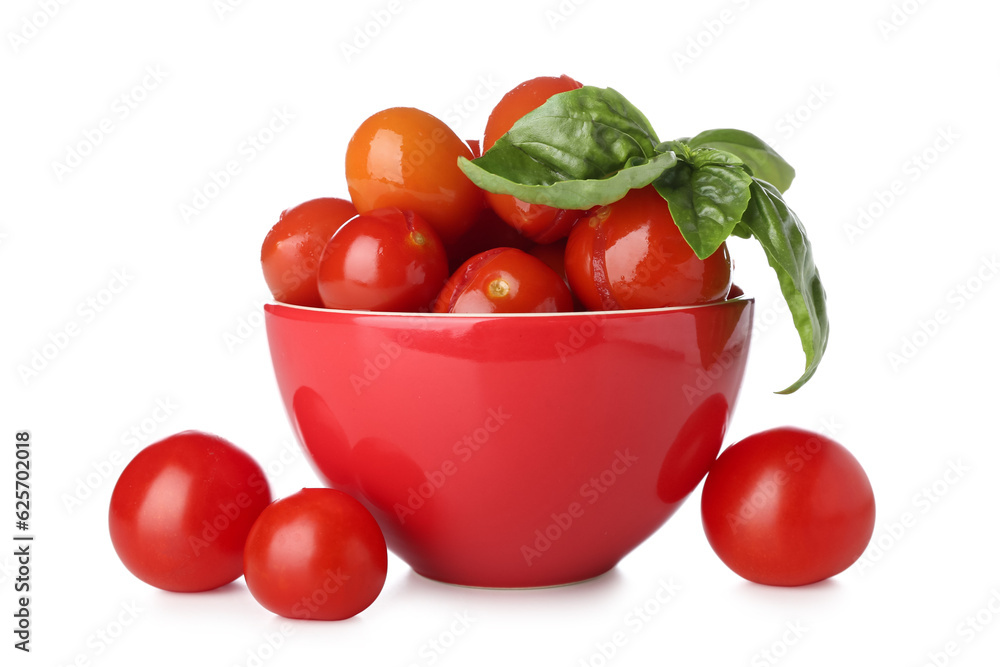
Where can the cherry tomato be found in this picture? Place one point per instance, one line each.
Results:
(408, 159)
(387, 259)
(554, 256)
(787, 507)
(487, 233)
(181, 510)
(520, 101)
(630, 254)
(540, 223)
(475, 147)
(317, 554)
(291, 250)
(504, 280)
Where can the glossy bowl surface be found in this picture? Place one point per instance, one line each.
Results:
(512, 450)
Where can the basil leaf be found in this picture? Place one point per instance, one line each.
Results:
(707, 193)
(763, 161)
(584, 133)
(580, 135)
(742, 231)
(789, 253)
(574, 194)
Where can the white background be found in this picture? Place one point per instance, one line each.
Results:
(855, 102)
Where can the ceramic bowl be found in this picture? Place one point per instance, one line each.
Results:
(512, 450)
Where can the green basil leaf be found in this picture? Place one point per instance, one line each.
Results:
(763, 161)
(678, 146)
(584, 133)
(580, 134)
(789, 253)
(707, 193)
(574, 194)
(742, 231)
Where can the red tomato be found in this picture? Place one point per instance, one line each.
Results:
(408, 159)
(522, 100)
(787, 507)
(554, 256)
(504, 280)
(630, 254)
(540, 223)
(291, 250)
(317, 554)
(475, 147)
(387, 259)
(181, 511)
(487, 233)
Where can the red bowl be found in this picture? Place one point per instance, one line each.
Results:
(512, 450)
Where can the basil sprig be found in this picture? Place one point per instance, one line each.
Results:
(590, 146)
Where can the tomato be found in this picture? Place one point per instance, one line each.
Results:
(317, 554)
(181, 510)
(504, 280)
(475, 147)
(387, 260)
(630, 254)
(522, 100)
(554, 256)
(487, 233)
(408, 159)
(787, 507)
(540, 223)
(291, 250)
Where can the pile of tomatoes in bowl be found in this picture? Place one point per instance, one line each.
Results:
(418, 236)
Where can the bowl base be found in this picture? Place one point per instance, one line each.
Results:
(517, 588)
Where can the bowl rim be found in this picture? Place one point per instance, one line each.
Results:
(583, 314)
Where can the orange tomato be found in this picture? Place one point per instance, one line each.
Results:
(408, 159)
